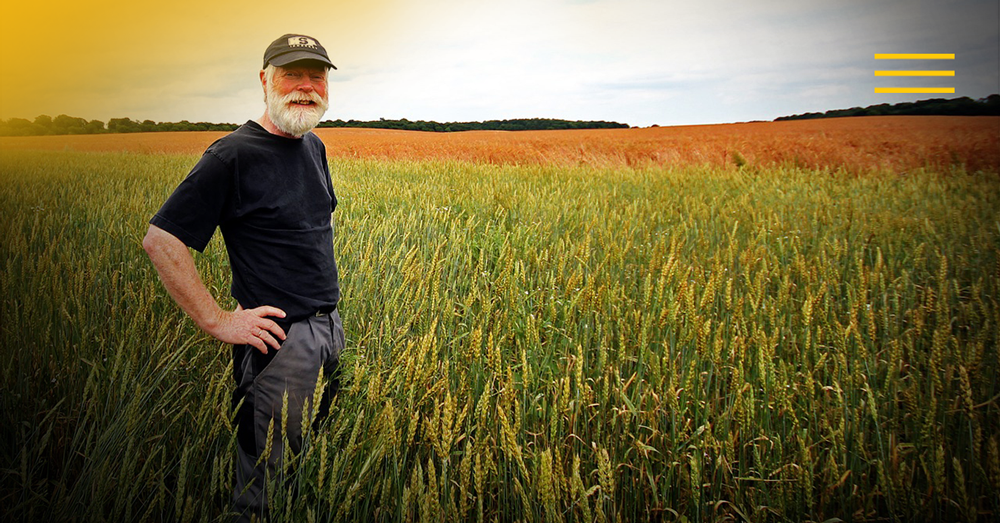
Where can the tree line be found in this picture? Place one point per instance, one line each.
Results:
(964, 106)
(520, 124)
(63, 124)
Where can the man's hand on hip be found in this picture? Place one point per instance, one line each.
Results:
(176, 268)
(250, 327)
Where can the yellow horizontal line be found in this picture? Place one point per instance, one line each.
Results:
(914, 56)
(914, 73)
(914, 90)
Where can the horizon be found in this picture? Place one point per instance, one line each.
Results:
(638, 62)
(628, 126)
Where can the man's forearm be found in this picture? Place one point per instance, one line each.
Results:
(176, 268)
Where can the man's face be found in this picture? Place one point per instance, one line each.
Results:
(297, 98)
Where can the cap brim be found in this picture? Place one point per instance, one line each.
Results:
(297, 56)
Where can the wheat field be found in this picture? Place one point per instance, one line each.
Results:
(856, 145)
(717, 337)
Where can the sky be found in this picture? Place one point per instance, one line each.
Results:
(640, 62)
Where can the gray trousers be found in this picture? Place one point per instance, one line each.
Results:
(261, 382)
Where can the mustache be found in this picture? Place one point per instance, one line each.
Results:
(296, 97)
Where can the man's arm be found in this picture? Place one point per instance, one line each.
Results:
(176, 268)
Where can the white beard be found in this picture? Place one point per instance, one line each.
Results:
(296, 120)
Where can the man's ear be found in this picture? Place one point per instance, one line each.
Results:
(263, 85)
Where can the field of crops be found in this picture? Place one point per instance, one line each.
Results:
(708, 331)
(856, 145)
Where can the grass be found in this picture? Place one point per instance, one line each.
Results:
(529, 343)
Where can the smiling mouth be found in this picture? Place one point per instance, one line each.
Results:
(303, 102)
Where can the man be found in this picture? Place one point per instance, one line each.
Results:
(267, 187)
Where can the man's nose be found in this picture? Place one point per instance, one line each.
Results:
(306, 85)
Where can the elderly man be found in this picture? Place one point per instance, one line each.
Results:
(267, 187)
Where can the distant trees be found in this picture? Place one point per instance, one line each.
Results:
(964, 106)
(525, 124)
(44, 124)
(63, 124)
(122, 125)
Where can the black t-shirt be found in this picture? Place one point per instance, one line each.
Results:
(272, 198)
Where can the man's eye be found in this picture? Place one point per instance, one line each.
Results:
(294, 76)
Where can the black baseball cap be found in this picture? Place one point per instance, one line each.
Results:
(292, 48)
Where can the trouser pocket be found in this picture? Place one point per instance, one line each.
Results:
(331, 365)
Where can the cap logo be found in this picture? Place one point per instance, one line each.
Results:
(302, 41)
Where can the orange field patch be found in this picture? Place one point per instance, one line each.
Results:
(895, 143)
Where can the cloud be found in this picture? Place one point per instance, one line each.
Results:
(638, 61)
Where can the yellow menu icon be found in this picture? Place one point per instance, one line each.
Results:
(911, 56)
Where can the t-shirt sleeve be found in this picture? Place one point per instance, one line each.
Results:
(199, 203)
(329, 185)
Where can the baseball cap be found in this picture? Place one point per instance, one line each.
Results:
(294, 47)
